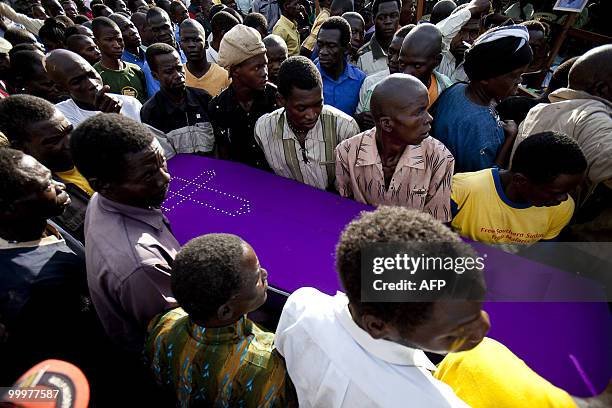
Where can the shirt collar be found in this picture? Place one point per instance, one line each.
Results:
(367, 154)
(377, 51)
(232, 333)
(349, 72)
(150, 216)
(385, 350)
(316, 133)
(170, 108)
(288, 22)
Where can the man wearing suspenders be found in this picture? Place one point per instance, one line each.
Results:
(299, 139)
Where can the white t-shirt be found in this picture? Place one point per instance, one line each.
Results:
(75, 115)
(334, 363)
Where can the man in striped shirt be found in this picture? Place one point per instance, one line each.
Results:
(299, 140)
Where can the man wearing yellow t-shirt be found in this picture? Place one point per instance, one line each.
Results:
(523, 205)
(490, 375)
(39, 129)
(200, 73)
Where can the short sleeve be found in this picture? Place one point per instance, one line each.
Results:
(561, 216)
(458, 193)
(343, 175)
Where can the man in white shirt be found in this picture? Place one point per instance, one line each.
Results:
(342, 352)
(460, 28)
(88, 96)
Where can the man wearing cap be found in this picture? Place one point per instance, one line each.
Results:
(5, 66)
(465, 119)
(234, 111)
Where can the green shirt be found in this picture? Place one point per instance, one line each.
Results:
(127, 81)
(230, 366)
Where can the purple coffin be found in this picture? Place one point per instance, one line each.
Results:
(294, 229)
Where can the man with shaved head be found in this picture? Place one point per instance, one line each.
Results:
(276, 51)
(420, 55)
(140, 22)
(133, 52)
(385, 165)
(583, 111)
(199, 72)
(84, 46)
(88, 96)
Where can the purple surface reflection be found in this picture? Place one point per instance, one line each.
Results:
(294, 229)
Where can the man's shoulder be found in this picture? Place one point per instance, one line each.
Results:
(473, 179)
(129, 100)
(307, 303)
(132, 66)
(340, 116)
(365, 48)
(436, 147)
(268, 120)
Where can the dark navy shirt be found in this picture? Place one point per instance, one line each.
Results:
(473, 133)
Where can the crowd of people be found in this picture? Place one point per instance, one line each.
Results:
(424, 120)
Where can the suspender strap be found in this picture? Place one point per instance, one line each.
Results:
(328, 123)
(289, 151)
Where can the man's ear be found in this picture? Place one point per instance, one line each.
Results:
(385, 123)
(225, 312)
(280, 99)
(375, 327)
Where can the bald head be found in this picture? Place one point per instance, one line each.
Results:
(191, 24)
(84, 46)
(421, 52)
(592, 72)
(399, 107)
(75, 74)
(395, 93)
(274, 41)
(424, 39)
(442, 10)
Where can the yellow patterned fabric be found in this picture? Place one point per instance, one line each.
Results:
(230, 366)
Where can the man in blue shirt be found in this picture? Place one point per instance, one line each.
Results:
(465, 119)
(162, 32)
(134, 51)
(341, 80)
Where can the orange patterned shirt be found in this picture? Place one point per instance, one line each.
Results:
(422, 177)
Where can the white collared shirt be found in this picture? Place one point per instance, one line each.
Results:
(334, 363)
(450, 27)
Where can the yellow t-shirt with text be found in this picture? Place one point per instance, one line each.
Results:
(482, 212)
